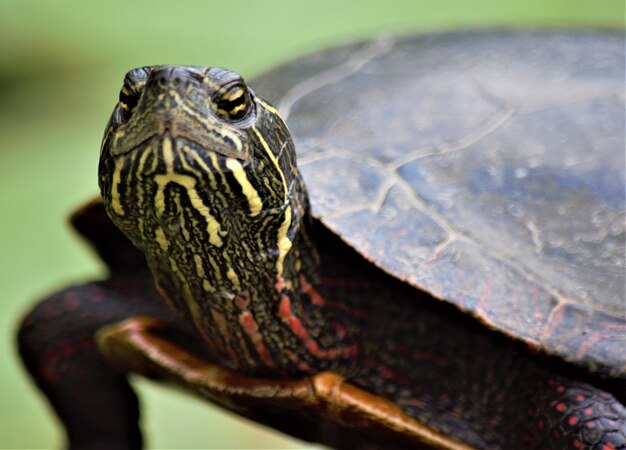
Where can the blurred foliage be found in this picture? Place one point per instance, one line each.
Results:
(61, 63)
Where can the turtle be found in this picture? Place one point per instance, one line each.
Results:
(430, 255)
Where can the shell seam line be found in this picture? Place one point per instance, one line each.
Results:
(377, 48)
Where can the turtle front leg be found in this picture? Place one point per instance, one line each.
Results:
(567, 414)
(95, 403)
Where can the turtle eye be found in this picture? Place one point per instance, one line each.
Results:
(234, 102)
(129, 94)
(128, 100)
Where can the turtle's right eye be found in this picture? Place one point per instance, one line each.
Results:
(131, 90)
(128, 100)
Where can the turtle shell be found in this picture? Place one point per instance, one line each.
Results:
(486, 168)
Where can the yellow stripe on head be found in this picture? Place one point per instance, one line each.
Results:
(254, 201)
(116, 203)
(269, 107)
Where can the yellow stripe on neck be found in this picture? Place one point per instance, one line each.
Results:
(283, 243)
(189, 184)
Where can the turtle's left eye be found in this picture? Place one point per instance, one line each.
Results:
(234, 102)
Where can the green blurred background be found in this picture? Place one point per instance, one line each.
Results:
(61, 65)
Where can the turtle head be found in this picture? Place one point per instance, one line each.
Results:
(200, 174)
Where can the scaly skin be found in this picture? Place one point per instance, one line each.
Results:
(441, 368)
(200, 175)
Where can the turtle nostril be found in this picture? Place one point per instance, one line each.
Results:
(169, 77)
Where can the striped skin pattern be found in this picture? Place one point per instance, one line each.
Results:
(442, 369)
(204, 218)
(200, 175)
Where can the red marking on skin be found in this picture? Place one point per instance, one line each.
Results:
(310, 291)
(590, 425)
(286, 314)
(560, 407)
(248, 322)
(578, 444)
(222, 327)
(588, 411)
(304, 366)
(580, 397)
(242, 303)
(298, 329)
(540, 424)
(608, 446)
(573, 420)
(314, 348)
(284, 309)
(280, 284)
(252, 330)
(386, 373)
(560, 388)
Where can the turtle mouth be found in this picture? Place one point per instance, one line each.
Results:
(210, 136)
(158, 130)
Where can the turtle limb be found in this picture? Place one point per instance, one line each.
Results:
(95, 403)
(570, 414)
(323, 408)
